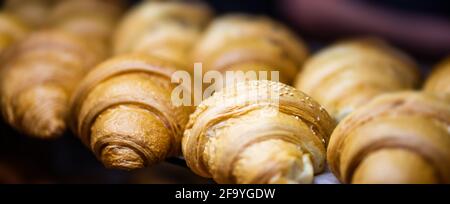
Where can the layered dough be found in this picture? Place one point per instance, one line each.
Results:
(258, 132)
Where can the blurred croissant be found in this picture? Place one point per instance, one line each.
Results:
(438, 82)
(123, 112)
(37, 77)
(164, 29)
(92, 20)
(34, 13)
(11, 30)
(348, 74)
(396, 138)
(258, 132)
(250, 43)
(40, 73)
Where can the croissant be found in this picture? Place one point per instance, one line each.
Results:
(257, 132)
(350, 73)
(243, 42)
(39, 75)
(82, 18)
(122, 110)
(164, 29)
(33, 13)
(37, 78)
(11, 30)
(396, 138)
(438, 82)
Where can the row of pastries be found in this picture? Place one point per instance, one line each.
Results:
(358, 107)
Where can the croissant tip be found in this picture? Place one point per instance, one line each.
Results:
(55, 129)
(121, 157)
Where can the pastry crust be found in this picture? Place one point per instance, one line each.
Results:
(411, 125)
(350, 73)
(238, 136)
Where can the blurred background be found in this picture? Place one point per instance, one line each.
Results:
(420, 27)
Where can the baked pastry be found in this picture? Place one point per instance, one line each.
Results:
(82, 18)
(250, 43)
(164, 29)
(122, 110)
(258, 132)
(396, 138)
(40, 73)
(36, 80)
(349, 74)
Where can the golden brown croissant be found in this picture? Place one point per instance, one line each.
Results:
(37, 77)
(244, 42)
(350, 73)
(123, 111)
(11, 30)
(396, 138)
(164, 29)
(257, 132)
(33, 13)
(438, 82)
